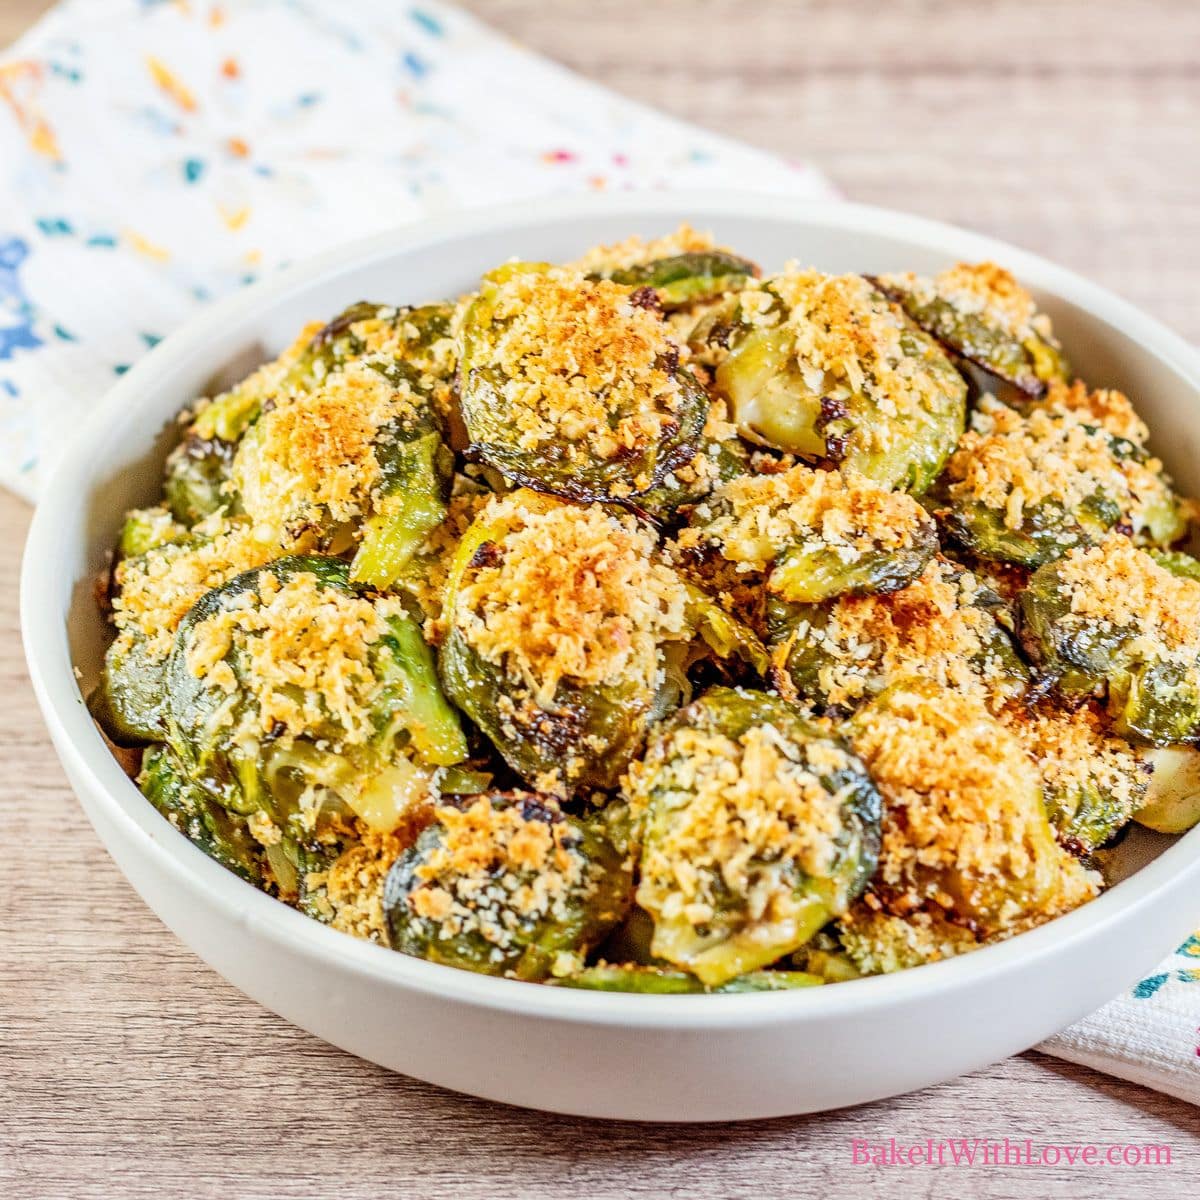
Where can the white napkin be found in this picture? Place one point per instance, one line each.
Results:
(154, 156)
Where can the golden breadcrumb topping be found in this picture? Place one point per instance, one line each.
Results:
(578, 367)
(979, 289)
(964, 829)
(1106, 407)
(314, 453)
(935, 627)
(879, 943)
(733, 819)
(752, 518)
(576, 592)
(154, 591)
(353, 885)
(1074, 753)
(850, 341)
(302, 650)
(1012, 464)
(1122, 587)
(634, 251)
(497, 870)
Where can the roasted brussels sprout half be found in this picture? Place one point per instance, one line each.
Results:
(827, 368)
(1110, 622)
(660, 981)
(1092, 781)
(296, 700)
(945, 625)
(568, 387)
(1026, 489)
(811, 535)
(163, 571)
(981, 312)
(362, 446)
(756, 827)
(509, 884)
(965, 831)
(1172, 799)
(567, 637)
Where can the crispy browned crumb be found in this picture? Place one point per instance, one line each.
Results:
(304, 650)
(934, 627)
(965, 829)
(753, 517)
(156, 590)
(1122, 587)
(577, 593)
(1012, 463)
(737, 810)
(634, 251)
(314, 454)
(497, 867)
(982, 289)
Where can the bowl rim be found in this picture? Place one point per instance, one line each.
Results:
(88, 760)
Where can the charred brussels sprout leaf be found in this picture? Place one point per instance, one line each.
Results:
(827, 368)
(982, 313)
(507, 884)
(1110, 622)
(564, 659)
(681, 280)
(660, 981)
(569, 388)
(756, 828)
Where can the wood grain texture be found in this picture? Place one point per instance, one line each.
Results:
(128, 1069)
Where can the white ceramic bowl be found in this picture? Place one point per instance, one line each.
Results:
(685, 1058)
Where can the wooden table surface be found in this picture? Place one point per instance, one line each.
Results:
(127, 1068)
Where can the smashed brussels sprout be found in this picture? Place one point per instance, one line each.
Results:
(296, 700)
(966, 837)
(569, 386)
(1092, 781)
(1026, 489)
(945, 625)
(981, 312)
(811, 535)
(565, 658)
(1110, 622)
(824, 366)
(756, 827)
(509, 884)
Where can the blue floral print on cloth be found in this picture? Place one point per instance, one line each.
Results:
(154, 156)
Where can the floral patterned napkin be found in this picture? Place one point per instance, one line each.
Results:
(155, 156)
